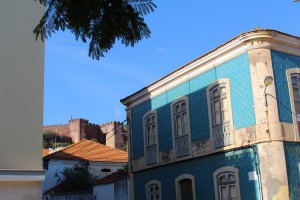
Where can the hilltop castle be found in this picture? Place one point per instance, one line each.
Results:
(112, 134)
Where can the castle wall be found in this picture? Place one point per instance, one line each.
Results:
(112, 133)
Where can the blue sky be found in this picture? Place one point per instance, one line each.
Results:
(78, 86)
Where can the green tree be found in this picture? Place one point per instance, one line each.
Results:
(77, 178)
(101, 22)
(52, 140)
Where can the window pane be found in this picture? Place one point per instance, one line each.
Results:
(231, 177)
(223, 179)
(223, 191)
(296, 93)
(151, 189)
(294, 80)
(148, 135)
(232, 191)
(148, 120)
(153, 134)
(217, 118)
(216, 105)
(178, 125)
(215, 93)
(184, 123)
(183, 106)
(297, 107)
(177, 108)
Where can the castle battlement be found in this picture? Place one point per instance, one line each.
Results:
(54, 125)
(78, 119)
(78, 129)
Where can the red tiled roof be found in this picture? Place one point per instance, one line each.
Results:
(89, 150)
(45, 152)
(55, 189)
(111, 178)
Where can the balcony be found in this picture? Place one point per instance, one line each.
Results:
(182, 146)
(151, 154)
(222, 136)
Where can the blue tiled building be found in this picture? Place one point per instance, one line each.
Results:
(224, 126)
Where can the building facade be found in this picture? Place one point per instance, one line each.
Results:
(223, 126)
(21, 101)
(112, 134)
(103, 161)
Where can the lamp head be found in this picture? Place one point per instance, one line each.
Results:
(268, 80)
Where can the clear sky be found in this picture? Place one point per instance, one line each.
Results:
(78, 86)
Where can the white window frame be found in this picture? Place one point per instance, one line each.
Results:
(153, 182)
(151, 112)
(289, 73)
(228, 169)
(226, 82)
(177, 185)
(186, 99)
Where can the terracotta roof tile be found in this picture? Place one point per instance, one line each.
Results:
(111, 178)
(89, 150)
(45, 152)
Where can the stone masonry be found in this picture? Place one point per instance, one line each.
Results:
(112, 134)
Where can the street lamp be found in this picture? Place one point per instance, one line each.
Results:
(268, 81)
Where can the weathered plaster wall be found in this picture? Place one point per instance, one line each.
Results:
(273, 170)
(24, 190)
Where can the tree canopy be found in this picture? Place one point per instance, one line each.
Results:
(101, 22)
(76, 178)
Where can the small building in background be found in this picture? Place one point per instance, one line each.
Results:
(103, 160)
(112, 187)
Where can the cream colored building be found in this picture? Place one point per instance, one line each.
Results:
(21, 100)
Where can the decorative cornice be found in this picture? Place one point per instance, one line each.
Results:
(262, 38)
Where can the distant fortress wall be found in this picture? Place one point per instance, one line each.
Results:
(112, 134)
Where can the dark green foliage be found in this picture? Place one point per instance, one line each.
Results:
(52, 140)
(102, 22)
(77, 178)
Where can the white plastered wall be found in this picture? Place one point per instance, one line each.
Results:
(21, 99)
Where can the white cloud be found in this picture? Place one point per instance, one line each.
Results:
(161, 50)
(117, 113)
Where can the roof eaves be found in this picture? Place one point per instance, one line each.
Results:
(124, 100)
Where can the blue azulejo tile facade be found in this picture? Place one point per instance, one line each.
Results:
(282, 62)
(202, 169)
(292, 156)
(236, 70)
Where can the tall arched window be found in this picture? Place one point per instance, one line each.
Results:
(150, 135)
(185, 187)
(293, 78)
(296, 94)
(153, 190)
(226, 181)
(181, 126)
(218, 97)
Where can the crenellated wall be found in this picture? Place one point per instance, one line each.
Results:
(112, 134)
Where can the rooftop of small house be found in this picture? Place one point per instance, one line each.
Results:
(90, 151)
